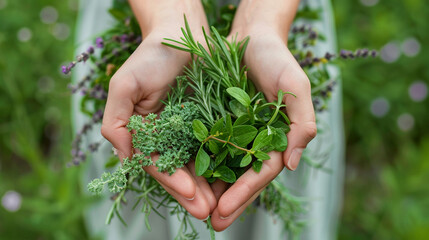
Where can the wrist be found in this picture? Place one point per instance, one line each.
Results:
(270, 16)
(167, 16)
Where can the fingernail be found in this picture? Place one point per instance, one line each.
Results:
(190, 199)
(206, 218)
(224, 218)
(294, 158)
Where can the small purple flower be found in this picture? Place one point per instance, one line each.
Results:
(124, 38)
(99, 43)
(373, 53)
(344, 54)
(312, 35)
(85, 56)
(97, 116)
(138, 39)
(365, 52)
(65, 69)
(329, 56)
(90, 50)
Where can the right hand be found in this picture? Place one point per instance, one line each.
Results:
(137, 88)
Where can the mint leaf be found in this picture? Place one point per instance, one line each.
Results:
(262, 140)
(243, 134)
(240, 95)
(202, 162)
(225, 174)
(246, 160)
(262, 155)
(200, 131)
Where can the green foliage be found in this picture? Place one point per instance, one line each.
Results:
(386, 172)
(35, 127)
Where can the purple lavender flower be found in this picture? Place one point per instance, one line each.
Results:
(65, 69)
(124, 38)
(90, 50)
(329, 56)
(99, 43)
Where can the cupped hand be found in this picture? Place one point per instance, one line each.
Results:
(272, 68)
(137, 88)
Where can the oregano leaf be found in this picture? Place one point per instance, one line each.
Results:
(240, 95)
(262, 155)
(279, 140)
(243, 134)
(257, 165)
(202, 162)
(225, 174)
(246, 160)
(237, 108)
(200, 131)
(262, 140)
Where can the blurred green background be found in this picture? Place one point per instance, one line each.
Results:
(385, 113)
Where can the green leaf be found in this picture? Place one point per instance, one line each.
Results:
(257, 165)
(243, 134)
(246, 160)
(262, 140)
(228, 125)
(118, 14)
(281, 125)
(262, 155)
(240, 95)
(200, 131)
(208, 173)
(214, 148)
(279, 140)
(218, 127)
(241, 120)
(285, 117)
(202, 162)
(221, 157)
(225, 174)
(237, 108)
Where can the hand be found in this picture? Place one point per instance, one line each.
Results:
(139, 85)
(271, 67)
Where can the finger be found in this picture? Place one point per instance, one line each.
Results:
(204, 186)
(248, 184)
(220, 223)
(119, 108)
(300, 112)
(181, 181)
(197, 207)
(218, 188)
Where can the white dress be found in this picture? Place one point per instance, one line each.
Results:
(323, 189)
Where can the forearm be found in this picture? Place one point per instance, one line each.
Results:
(275, 14)
(167, 14)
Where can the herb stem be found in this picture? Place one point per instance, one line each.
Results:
(228, 142)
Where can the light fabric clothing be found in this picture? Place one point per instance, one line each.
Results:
(323, 189)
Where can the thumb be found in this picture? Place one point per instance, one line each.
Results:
(119, 108)
(299, 136)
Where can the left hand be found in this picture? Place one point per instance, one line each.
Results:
(271, 67)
